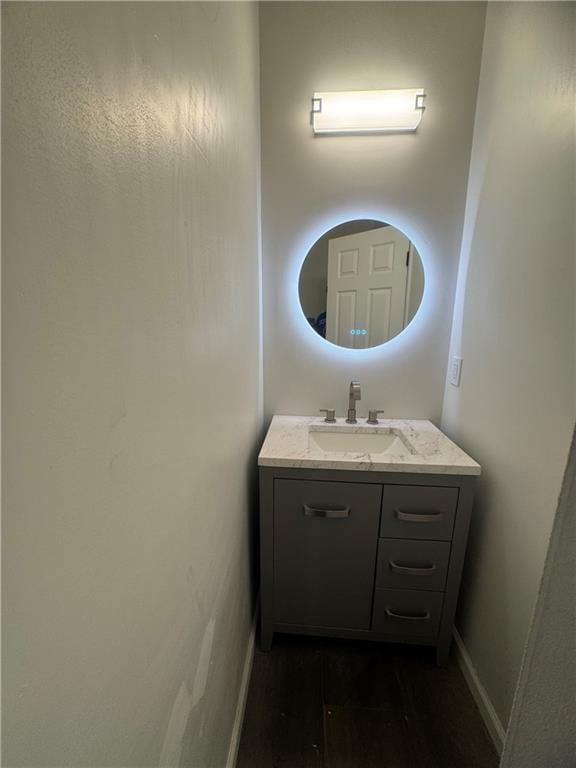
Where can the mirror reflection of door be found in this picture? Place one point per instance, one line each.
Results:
(361, 283)
(367, 280)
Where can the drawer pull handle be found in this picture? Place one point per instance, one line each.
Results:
(320, 512)
(423, 516)
(421, 616)
(412, 570)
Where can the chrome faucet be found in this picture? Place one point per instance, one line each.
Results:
(354, 395)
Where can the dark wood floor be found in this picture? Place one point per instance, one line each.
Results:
(319, 703)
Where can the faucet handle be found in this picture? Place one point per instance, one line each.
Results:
(373, 417)
(330, 415)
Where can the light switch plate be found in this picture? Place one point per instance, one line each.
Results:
(455, 372)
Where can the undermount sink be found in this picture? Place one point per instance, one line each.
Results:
(340, 441)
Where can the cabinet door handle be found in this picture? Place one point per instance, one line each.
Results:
(412, 570)
(320, 512)
(423, 516)
(421, 616)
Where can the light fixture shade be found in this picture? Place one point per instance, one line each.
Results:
(367, 111)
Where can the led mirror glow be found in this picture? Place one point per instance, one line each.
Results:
(361, 284)
(367, 111)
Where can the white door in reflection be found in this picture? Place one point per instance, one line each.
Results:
(366, 297)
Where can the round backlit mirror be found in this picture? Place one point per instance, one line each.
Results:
(361, 283)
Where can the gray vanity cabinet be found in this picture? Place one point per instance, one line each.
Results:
(362, 554)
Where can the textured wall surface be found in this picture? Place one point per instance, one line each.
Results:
(131, 376)
(514, 326)
(415, 181)
(543, 722)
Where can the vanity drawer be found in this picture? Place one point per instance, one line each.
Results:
(418, 512)
(407, 612)
(412, 564)
(325, 543)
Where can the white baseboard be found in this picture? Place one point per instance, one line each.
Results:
(242, 696)
(491, 720)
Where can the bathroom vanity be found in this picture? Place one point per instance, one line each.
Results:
(363, 530)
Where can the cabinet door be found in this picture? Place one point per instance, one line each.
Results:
(325, 541)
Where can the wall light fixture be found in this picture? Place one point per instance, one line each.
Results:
(393, 111)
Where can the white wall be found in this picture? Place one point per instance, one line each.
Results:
(131, 378)
(542, 729)
(514, 326)
(416, 182)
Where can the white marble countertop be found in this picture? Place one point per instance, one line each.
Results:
(421, 447)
